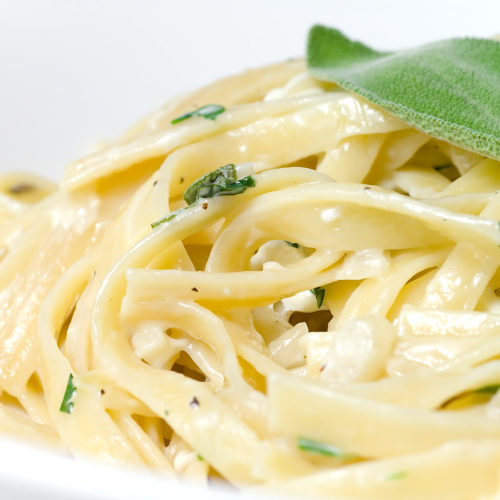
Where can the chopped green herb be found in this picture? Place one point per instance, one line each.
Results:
(67, 403)
(220, 182)
(199, 457)
(318, 448)
(294, 245)
(396, 476)
(167, 413)
(448, 89)
(170, 216)
(442, 167)
(488, 389)
(319, 293)
(482, 393)
(210, 111)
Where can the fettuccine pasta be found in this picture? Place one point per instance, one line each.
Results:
(321, 316)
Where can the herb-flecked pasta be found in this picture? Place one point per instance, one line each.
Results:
(271, 281)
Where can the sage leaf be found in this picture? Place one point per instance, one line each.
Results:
(448, 89)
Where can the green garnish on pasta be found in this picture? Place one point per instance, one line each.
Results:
(221, 182)
(487, 389)
(67, 403)
(210, 112)
(319, 294)
(396, 476)
(318, 448)
(448, 89)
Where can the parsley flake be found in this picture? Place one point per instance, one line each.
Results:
(291, 243)
(438, 168)
(396, 476)
(67, 404)
(220, 182)
(168, 217)
(324, 449)
(488, 389)
(319, 293)
(210, 112)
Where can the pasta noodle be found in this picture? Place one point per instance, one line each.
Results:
(328, 327)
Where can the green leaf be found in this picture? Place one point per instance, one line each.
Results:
(168, 217)
(488, 389)
(318, 448)
(319, 293)
(220, 182)
(396, 476)
(438, 168)
(210, 111)
(67, 403)
(448, 89)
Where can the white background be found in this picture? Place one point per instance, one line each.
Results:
(73, 73)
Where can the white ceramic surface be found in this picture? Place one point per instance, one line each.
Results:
(76, 72)
(28, 473)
